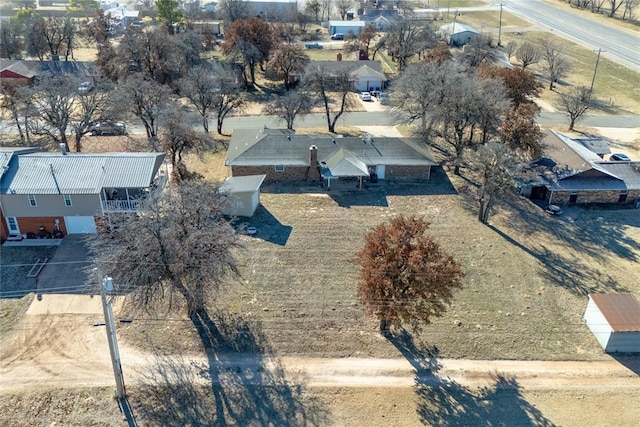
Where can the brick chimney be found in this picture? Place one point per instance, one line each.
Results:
(314, 172)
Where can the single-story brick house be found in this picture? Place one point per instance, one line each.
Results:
(283, 156)
(570, 172)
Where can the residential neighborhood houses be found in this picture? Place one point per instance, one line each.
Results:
(413, 214)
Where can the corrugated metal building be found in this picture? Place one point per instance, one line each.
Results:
(614, 319)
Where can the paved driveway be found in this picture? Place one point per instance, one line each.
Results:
(64, 273)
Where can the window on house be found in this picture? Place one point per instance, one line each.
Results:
(32, 200)
(67, 200)
(279, 168)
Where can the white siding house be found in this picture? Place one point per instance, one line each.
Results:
(614, 319)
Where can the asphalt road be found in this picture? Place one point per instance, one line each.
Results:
(384, 118)
(618, 45)
(370, 118)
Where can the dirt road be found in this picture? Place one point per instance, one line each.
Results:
(55, 367)
(67, 350)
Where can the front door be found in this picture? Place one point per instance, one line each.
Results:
(573, 198)
(12, 223)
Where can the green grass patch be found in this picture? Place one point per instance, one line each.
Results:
(616, 89)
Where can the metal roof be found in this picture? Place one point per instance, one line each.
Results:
(7, 153)
(260, 148)
(622, 311)
(46, 173)
(458, 28)
(242, 184)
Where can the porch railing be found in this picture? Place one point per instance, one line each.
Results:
(121, 205)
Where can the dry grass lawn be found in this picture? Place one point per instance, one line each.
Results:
(527, 275)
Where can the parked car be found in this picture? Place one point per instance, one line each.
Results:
(383, 97)
(313, 45)
(108, 128)
(85, 87)
(553, 210)
(619, 157)
(337, 36)
(365, 96)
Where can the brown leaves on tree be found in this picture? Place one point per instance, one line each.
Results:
(521, 85)
(405, 276)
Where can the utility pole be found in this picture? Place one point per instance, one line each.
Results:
(107, 285)
(453, 28)
(593, 80)
(500, 26)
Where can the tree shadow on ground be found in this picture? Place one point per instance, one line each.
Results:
(238, 384)
(443, 401)
(269, 228)
(570, 273)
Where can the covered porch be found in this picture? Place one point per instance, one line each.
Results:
(343, 167)
(130, 199)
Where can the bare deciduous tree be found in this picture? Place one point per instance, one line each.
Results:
(405, 276)
(177, 139)
(97, 105)
(55, 102)
(575, 103)
(556, 64)
(497, 167)
(228, 98)
(182, 245)
(528, 54)
(147, 100)
(405, 39)
(202, 87)
(328, 85)
(343, 7)
(290, 105)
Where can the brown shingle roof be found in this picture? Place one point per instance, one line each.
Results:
(622, 311)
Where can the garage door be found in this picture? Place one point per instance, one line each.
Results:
(80, 224)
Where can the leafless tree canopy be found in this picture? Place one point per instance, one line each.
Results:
(556, 64)
(405, 276)
(575, 103)
(290, 105)
(328, 85)
(528, 54)
(497, 167)
(180, 246)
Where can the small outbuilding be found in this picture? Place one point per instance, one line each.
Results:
(243, 194)
(458, 34)
(614, 319)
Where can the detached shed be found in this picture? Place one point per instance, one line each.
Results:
(243, 194)
(614, 319)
